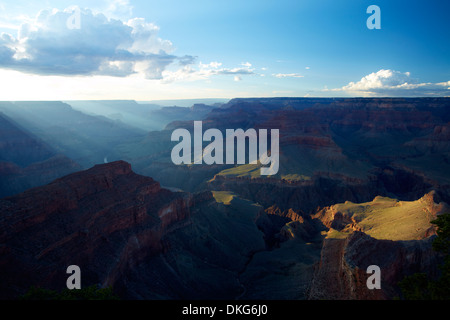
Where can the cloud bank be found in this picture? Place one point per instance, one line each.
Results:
(100, 46)
(387, 82)
(205, 71)
(103, 46)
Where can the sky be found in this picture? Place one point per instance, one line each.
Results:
(174, 49)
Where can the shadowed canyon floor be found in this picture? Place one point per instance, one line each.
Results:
(147, 242)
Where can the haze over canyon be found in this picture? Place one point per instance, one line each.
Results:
(93, 184)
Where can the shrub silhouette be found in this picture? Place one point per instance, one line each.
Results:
(418, 286)
(88, 293)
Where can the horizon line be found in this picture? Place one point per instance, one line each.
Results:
(235, 98)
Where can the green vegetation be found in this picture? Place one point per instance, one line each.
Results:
(252, 170)
(224, 197)
(88, 293)
(335, 234)
(418, 286)
(295, 177)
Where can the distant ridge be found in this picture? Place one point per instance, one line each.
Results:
(185, 102)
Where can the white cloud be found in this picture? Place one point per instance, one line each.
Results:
(380, 79)
(145, 38)
(112, 43)
(234, 71)
(101, 46)
(213, 65)
(288, 75)
(387, 82)
(204, 72)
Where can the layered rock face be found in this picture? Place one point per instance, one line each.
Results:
(123, 230)
(394, 235)
(105, 220)
(352, 138)
(342, 273)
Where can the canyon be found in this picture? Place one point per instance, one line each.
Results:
(359, 183)
(125, 231)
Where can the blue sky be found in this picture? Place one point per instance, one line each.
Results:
(173, 49)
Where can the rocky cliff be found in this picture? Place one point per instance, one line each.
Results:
(105, 220)
(395, 236)
(123, 230)
(342, 273)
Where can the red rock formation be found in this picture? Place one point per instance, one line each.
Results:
(342, 271)
(105, 220)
